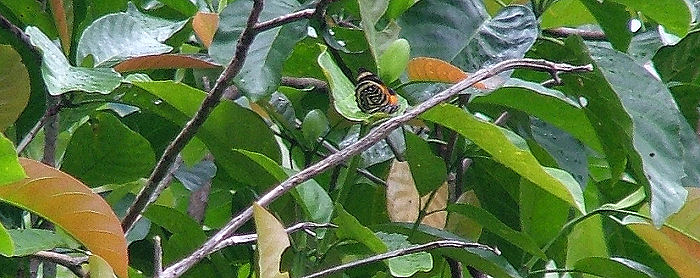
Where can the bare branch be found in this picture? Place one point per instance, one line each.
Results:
(304, 83)
(502, 119)
(157, 257)
(566, 32)
(379, 133)
(282, 20)
(50, 111)
(405, 251)
(190, 129)
(250, 238)
(71, 263)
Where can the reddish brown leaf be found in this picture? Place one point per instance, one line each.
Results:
(71, 205)
(63, 25)
(436, 70)
(205, 25)
(166, 61)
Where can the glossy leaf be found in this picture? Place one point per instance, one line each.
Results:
(185, 7)
(566, 13)
(350, 228)
(314, 126)
(492, 224)
(272, 241)
(262, 69)
(10, 169)
(614, 20)
(30, 241)
(119, 36)
(613, 267)
(72, 206)
(678, 62)
(60, 77)
(229, 126)
(14, 87)
(166, 61)
(428, 170)
(104, 150)
(542, 214)
(674, 15)
(204, 26)
(393, 61)
(31, 13)
(343, 90)
(687, 98)
(379, 40)
(494, 141)
(7, 246)
(569, 153)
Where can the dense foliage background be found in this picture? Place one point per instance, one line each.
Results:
(163, 120)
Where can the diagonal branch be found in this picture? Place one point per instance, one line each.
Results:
(404, 251)
(250, 238)
(71, 263)
(187, 132)
(379, 133)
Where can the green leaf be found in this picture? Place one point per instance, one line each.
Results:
(687, 98)
(568, 153)
(673, 14)
(262, 69)
(186, 7)
(494, 225)
(31, 13)
(30, 241)
(428, 170)
(350, 228)
(614, 267)
(393, 61)
(314, 126)
(398, 7)
(7, 246)
(614, 20)
(229, 126)
(679, 62)
(344, 91)
(14, 90)
(175, 222)
(104, 150)
(569, 13)
(494, 141)
(60, 77)
(99, 267)
(379, 40)
(660, 157)
(116, 37)
(549, 105)
(272, 241)
(407, 265)
(10, 169)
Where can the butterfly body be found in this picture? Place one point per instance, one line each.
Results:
(373, 96)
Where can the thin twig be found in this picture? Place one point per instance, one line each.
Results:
(251, 238)
(157, 257)
(282, 20)
(71, 263)
(405, 251)
(502, 119)
(192, 126)
(379, 133)
(566, 32)
(50, 111)
(304, 83)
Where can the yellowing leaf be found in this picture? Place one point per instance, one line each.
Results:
(166, 61)
(462, 225)
(72, 206)
(14, 86)
(439, 202)
(402, 198)
(272, 241)
(204, 26)
(436, 70)
(401, 193)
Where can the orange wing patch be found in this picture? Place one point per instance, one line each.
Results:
(433, 69)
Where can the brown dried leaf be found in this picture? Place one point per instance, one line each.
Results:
(166, 61)
(439, 202)
(204, 26)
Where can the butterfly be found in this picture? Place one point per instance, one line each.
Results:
(373, 96)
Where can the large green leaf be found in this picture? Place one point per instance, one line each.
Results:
(568, 153)
(428, 170)
(229, 126)
(496, 141)
(407, 265)
(613, 19)
(614, 267)
(546, 104)
(60, 77)
(571, 13)
(679, 62)
(675, 15)
(687, 98)
(262, 70)
(10, 170)
(30, 241)
(494, 225)
(119, 36)
(104, 150)
(660, 156)
(14, 86)
(343, 90)
(7, 246)
(185, 7)
(31, 13)
(379, 40)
